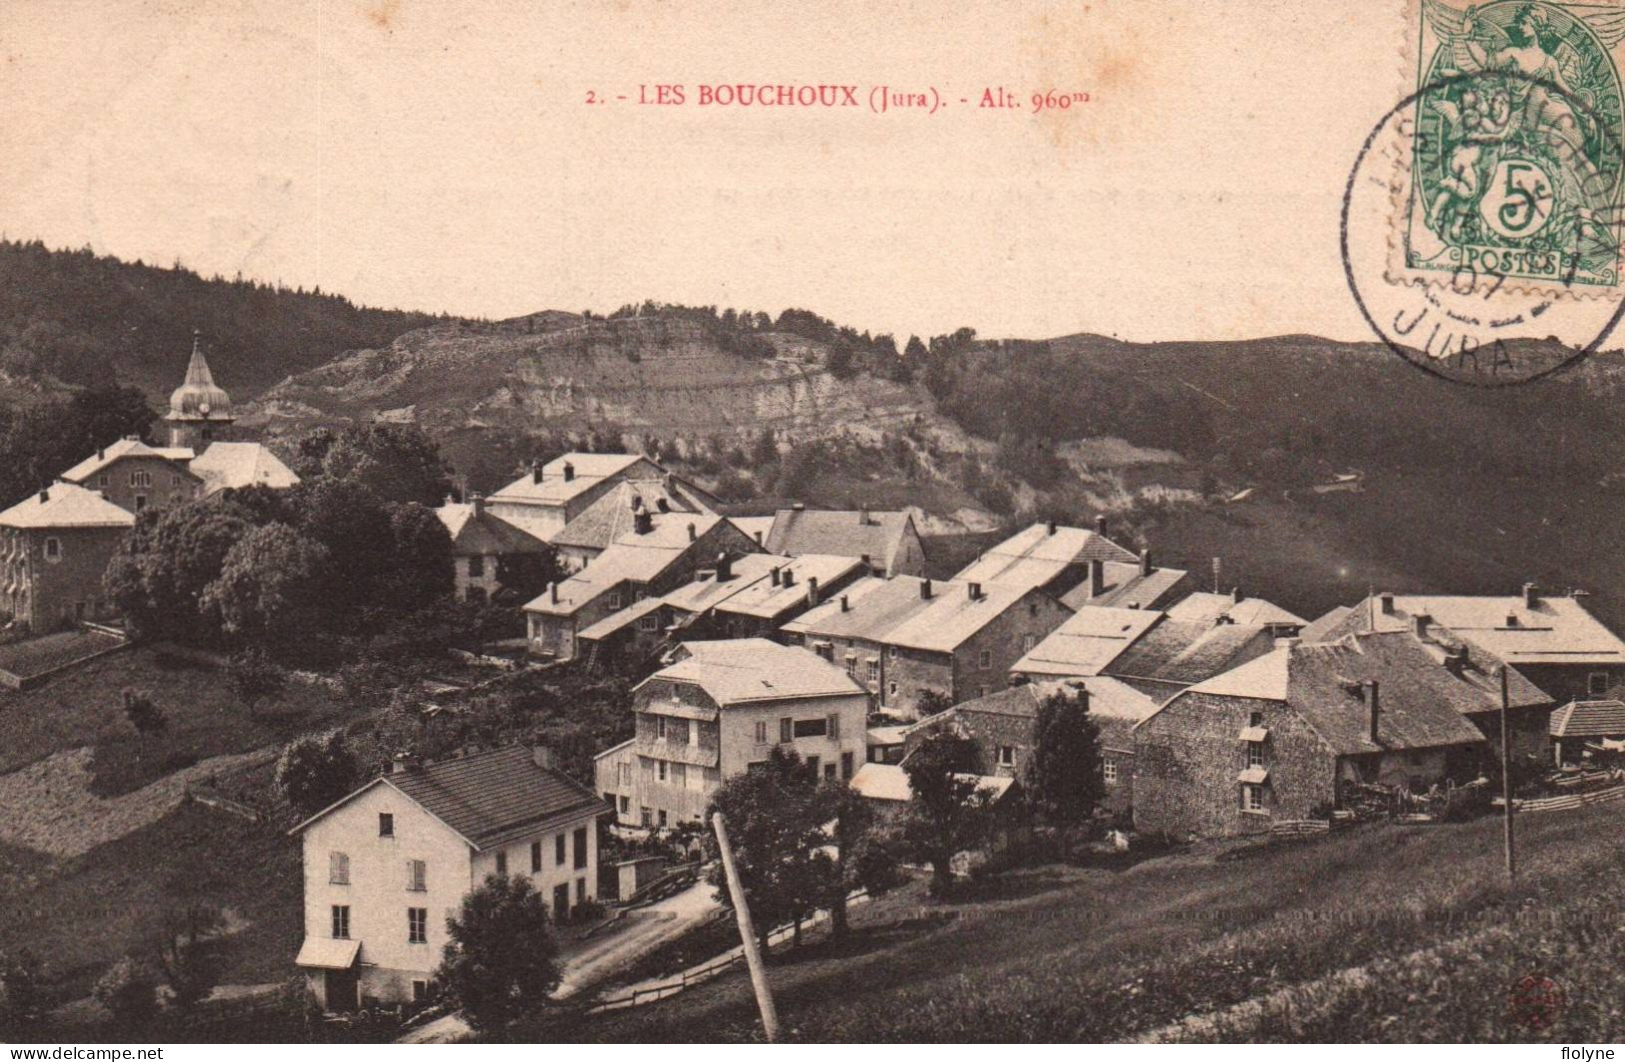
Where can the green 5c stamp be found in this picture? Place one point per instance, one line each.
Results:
(1515, 169)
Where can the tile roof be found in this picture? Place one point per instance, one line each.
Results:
(750, 670)
(241, 464)
(1034, 557)
(619, 621)
(893, 612)
(494, 797)
(1206, 608)
(632, 558)
(65, 505)
(703, 594)
(1125, 586)
(589, 471)
(1090, 639)
(875, 533)
(118, 451)
(1186, 653)
(1557, 630)
(753, 526)
(889, 781)
(611, 516)
(475, 529)
(1589, 719)
(766, 600)
(1322, 628)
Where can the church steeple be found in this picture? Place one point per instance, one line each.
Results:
(199, 409)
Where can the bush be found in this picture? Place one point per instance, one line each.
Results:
(127, 991)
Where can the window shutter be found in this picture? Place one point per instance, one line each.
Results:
(786, 730)
(834, 726)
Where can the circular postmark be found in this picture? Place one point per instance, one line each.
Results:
(1535, 1002)
(1481, 226)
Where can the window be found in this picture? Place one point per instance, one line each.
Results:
(417, 925)
(660, 769)
(559, 857)
(338, 868)
(891, 688)
(1597, 683)
(874, 671)
(1007, 755)
(787, 730)
(829, 771)
(984, 659)
(833, 727)
(101, 480)
(1252, 798)
(615, 601)
(140, 479)
(420, 991)
(53, 549)
(662, 818)
(660, 727)
(417, 876)
(476, 567)
(341, 922)
(386, 824)
(811, 727)
(646, 816)
(1255, 754)
(761, 731)
(140, 502)
(651, 622)
(1108, 771)
(1028, 642)
(536, 855)
(1256, 719)
(581, 890)
(581, 848)
(891, 652)
(812, 766)
(175, 481)
(502, 864)
(626, 805)
(846, 765)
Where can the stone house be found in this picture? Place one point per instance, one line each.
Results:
(1003, 725)
(54, 549)
(647, 562)
(481, 543)
(904, 636)
(1048, 557)
(887, 541)
(387, 865)
(1115, 584)
(614, 514)
(1284, 736)
(137, 477)
(549, 496)
(719, 708)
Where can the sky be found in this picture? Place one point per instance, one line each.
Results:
(439, 155)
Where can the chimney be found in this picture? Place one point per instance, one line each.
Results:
(1531, 595)
(812, 591)
(1097, 578)
(788, 578)
(1419, 624)
(757, 535)
(542, 756)
(643, 521)
(975, 591)
(535, 471)
(44, 495)
(846, 606)
(925, 589)
(663, 505)
(403, 762)
(1236, 596)
(1145, 562)
(773, 577)
(1049, 527)
(724, 568)
(101, 452)
(569, 472)
(863, 516)
(1373, 701)
(553, 592)
(692, 533)
(477, 500)
(1100, 524)
(1386, 601)
(796, 507)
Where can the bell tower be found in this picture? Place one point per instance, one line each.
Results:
(199, 409)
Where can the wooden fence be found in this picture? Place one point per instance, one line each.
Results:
(1567, 801)
(1299, 827)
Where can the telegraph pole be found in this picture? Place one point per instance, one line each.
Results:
(747, 934)
(1506, 773)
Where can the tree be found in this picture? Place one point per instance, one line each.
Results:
(949, 811)
(521, 577)
(1064, 781)
(271, 589)
(421, 573)
(314, 771)
(183, 955)
(396, 462)
(127, 991)
(354, 525)
(22, 994)
(499, 962)
(255, 678)
(142, 712)
(929, 702)
(866, 852)
(160, 570)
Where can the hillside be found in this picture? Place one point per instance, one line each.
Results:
(78, 318)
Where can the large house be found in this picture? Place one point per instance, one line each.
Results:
(54, 548)
(549, 496)
(887, 541)
(903, 636)
(1283, 737)
(1048, 557)
(1003, 725)
(614, 513)
(1551, 639)
(720, 708)
(1115, 584)
(386, 866)
(481, 543)
(137, 477)
(648, 561)
(236, 465)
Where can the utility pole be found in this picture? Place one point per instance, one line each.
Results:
(1506, 772)
(747, 934)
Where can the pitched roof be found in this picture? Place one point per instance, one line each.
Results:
(65, 505)
(753, 526)
(1322, 628)
(587, 471)
(474, 529)
(751, 670)
(1189, 652)
(490, 798)
(619, 621)
(118, 451)
(765, 599)
(893, 612)
(1115, 706)
(1589, 719)
(1034, 557)
(710, 591)
(875, 533)
(1090, 639)
(632, 558)
(888, 781)
(1207, 608)
(241, 464)
(1126, 585)
(1557, 630)
(611, 516)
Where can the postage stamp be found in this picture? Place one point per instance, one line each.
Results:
(1514, 163)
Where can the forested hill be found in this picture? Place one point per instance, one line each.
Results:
(87, 319)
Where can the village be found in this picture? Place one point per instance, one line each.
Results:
(630, 656)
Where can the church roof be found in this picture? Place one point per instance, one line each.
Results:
(241, 464)
(199, 397)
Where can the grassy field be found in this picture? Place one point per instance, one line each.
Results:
(1382, 933)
